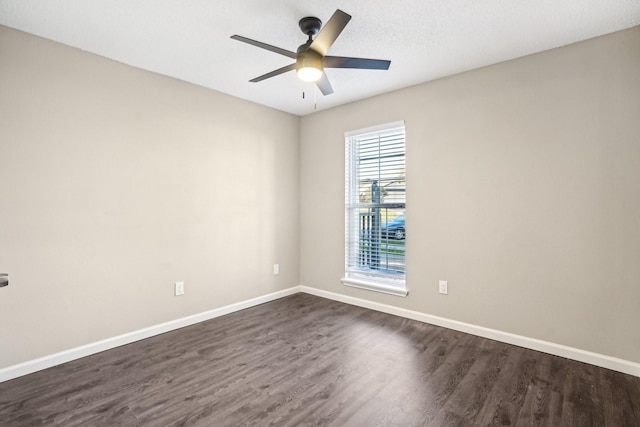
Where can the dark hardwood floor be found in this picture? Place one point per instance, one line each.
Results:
(304, 360)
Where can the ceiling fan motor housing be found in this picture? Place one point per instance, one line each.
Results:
(308, 58)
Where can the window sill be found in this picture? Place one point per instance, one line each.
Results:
(376, 286)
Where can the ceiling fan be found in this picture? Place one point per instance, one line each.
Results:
(311, 57)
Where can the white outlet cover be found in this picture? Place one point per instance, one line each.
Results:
(179, 288)
(276, 268)
(443, 287)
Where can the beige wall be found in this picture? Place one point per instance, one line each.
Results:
(523, 184)
(523, 179)
(115, 183)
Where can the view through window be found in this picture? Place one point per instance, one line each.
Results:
(375, 208)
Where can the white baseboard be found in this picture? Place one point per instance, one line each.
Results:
(613, 363)
(45, 362)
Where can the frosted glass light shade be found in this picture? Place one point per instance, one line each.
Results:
(309, 74)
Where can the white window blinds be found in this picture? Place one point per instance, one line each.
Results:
(375, 208)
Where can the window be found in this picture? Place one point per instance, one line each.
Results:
(375, 209)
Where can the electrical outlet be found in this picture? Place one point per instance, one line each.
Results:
(442, 284)
(276, 268)
(179, 288)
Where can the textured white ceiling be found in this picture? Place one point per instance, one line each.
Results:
(424, 39)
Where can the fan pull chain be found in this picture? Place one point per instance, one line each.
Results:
(315, 97)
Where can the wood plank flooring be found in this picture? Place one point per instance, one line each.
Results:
(304, 360)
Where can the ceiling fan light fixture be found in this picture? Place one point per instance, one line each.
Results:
(309, 64)
(309, 74)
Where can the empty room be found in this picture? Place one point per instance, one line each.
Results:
(341, 213)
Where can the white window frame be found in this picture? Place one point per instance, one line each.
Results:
(379, 280)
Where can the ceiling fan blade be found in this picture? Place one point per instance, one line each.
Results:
(330, 32)
(360, 63)
(324, 85)
(274, 73)
(265, 46)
